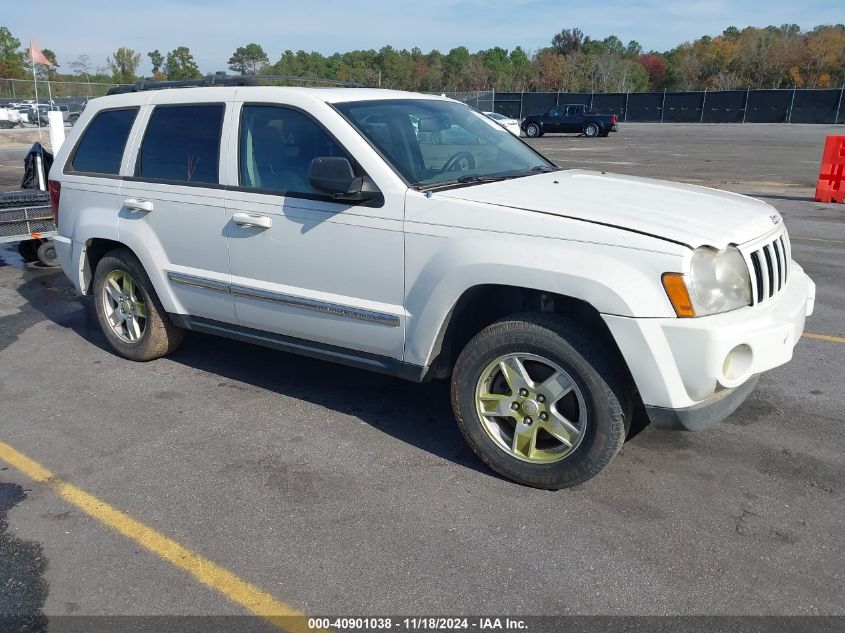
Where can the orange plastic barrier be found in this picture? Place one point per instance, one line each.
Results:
(831, 185)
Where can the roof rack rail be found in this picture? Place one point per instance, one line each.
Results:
(217, 79)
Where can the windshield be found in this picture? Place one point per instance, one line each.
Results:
(496, 115)
(433, 143)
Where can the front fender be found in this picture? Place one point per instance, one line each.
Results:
(614, 280)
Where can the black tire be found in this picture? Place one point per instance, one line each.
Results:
(160, 336)
(592, 130)
(591, 366)
(47, 254)
(532, 130)
(72, 119)
(24, 198)
(28, 250)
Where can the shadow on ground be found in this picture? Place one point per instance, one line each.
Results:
(418, 414)
(24, 590)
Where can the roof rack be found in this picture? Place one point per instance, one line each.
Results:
(219, 79)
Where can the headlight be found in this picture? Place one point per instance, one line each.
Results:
(718, 282)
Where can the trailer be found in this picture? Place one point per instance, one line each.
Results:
(25, 217)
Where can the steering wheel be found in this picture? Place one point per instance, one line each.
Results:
(454, 163)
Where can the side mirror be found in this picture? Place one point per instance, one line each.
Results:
(334, 175)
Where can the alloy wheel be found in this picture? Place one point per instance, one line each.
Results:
(124, 306)
(531, 408)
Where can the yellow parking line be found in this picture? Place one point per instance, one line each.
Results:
(208, 573)
(824, 337)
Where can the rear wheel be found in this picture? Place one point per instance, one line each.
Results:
(591, 130)
(539, 401)
(129, 311)
(532, 130)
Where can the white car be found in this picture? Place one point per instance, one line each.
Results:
(511, 125)
(9, 118)
(317, 222)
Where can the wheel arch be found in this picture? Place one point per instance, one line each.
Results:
(484, 304)
(528, 122)
(93, 251)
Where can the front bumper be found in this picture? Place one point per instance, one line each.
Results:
(704, 414)
(700, 368)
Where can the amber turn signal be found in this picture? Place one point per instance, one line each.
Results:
(676, 290)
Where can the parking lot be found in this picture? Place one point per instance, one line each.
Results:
(338, 491)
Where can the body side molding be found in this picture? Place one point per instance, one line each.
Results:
(324, 307)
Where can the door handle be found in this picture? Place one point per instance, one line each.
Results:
(134, 204)
(249, 220)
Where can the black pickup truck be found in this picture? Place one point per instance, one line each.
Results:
(572, 118)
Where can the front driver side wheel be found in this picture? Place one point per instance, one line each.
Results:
(540, 400)
(129, 311)
(532, 130)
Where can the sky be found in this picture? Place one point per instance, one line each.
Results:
(213, 29)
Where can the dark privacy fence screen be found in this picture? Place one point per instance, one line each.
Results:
(727, 106)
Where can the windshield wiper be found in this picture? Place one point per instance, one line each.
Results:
(463, 180)
(474, 179)
(471, 178)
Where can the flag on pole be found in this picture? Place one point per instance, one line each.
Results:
(36, 56)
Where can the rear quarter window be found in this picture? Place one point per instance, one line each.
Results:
(100, 149)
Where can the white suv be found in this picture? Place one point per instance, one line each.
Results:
(411, 235)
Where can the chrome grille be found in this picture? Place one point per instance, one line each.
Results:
(768, 264)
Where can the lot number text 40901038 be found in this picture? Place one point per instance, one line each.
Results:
(417, 624)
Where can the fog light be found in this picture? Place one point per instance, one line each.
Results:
(737, 363)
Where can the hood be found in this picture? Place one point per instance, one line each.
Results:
(686, 214)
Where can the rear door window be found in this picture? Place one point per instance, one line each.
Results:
(182, 144)
(100, 150)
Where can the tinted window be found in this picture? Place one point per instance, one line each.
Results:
(182, 144)
(277, 146)
(100, 149)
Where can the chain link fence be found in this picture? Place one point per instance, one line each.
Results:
(69, 93)
(792, 105)
(826, 106)
(481, 100)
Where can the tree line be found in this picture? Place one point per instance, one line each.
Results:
(771, 57)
